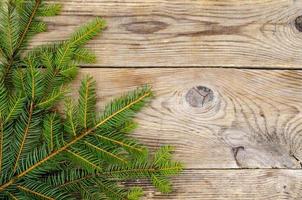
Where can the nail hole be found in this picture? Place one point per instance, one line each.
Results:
(298, 23)
(200, 96)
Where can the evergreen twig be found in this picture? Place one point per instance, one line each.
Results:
(83, 154)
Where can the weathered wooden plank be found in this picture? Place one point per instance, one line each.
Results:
(231, 118)
(233, 184)
(258, 33)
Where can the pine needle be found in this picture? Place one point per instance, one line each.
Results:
(78, 153)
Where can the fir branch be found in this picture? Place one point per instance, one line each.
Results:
(49, 10)
(1, 142)
(142, 170)
(15, 108)
(25, 134)
(87, 102)
(12, 196)
(49, 100)
(84, 159)
(82, 135)
(118, 172)
(123, 144)
(15, 50)
(30, 21)
(10, 30)
(51, 135)
(78, 39)
(112, 190)
(52, 131)
(47, 155)
(3, 97)
(34, 192)
(75, 139)
(87, 177)
(71, 123)
(105, 152)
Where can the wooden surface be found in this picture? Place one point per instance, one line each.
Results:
(253, 120)
(225, 185)
(185, 33)
(228, 85)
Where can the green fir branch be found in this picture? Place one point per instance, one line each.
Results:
(78, 153)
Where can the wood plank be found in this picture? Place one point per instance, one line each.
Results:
(233, 184)
(252, 118)
(258, 33)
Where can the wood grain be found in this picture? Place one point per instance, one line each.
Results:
(253, 119)
(233, 184)
(203, 33)
(224, 123)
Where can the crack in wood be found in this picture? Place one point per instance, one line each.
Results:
(235, 151)
(297, 159)
(199, 96)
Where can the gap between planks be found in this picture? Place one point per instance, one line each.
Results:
(191, 67)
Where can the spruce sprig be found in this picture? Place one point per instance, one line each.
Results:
(81, 154)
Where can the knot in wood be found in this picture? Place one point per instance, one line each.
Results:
(200, 96)
(298, 23)
(145, 27)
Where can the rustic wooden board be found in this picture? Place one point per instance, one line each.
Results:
(234, 33)
(233, 184)
(252, 120)
(224, 123)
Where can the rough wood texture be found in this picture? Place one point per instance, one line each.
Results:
(233, 184)
(259, 33)
(253, 119)
(218, 119)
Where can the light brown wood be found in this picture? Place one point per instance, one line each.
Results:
(252, 120)
(233, 33)
(233, 184)
(224, 123)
